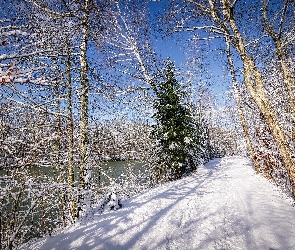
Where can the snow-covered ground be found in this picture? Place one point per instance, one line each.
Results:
(225, 205)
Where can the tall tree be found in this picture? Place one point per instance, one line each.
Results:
(87, 20)
(225, 18)
(238, 99)
(175, 129)
(278, 28)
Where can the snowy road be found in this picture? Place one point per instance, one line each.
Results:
(224, 206)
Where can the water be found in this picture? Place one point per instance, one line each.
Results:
(111, 171)
(53, 205)
(101, 174)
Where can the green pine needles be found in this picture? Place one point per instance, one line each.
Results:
(176, 131)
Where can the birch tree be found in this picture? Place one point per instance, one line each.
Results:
(88, 20)
(238, 100)
(220, 18)
(279, 28)
(130, 51)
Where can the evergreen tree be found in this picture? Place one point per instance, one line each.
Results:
(175, 130)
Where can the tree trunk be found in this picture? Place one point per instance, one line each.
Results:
(58, 130)
(267, 111)
(240, 108)
(277, 39)
(71, 171)
(84, 177)
(84, 101)
(254, 84)
(288, 83)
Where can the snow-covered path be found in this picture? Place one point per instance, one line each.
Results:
(223, 206)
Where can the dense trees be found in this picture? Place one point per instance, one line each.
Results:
(226, 20)
(80, 80)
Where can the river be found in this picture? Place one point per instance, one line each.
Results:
(52, 210)
(102, 173)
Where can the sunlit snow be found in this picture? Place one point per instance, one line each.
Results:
(225, 205)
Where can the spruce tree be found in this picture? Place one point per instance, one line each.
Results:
(175, 130)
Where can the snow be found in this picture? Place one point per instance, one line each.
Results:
(225, 205)
(172, 145)
(187, 140)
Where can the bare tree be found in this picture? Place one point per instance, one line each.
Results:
(238, 100)
(220, 18)
(280, 35)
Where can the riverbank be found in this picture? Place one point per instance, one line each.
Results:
(225, 205)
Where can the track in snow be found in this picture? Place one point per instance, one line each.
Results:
(225, 205)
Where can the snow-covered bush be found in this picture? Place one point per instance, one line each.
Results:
(111, 201)
(31, 207)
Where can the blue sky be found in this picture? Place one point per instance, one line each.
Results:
(167, 47)
(177, 51)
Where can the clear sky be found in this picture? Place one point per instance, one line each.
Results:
(167, 46)
(177, 51)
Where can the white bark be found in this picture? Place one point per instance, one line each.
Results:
(84, 98)
(237, 97)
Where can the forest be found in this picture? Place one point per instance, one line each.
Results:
(94, 107)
